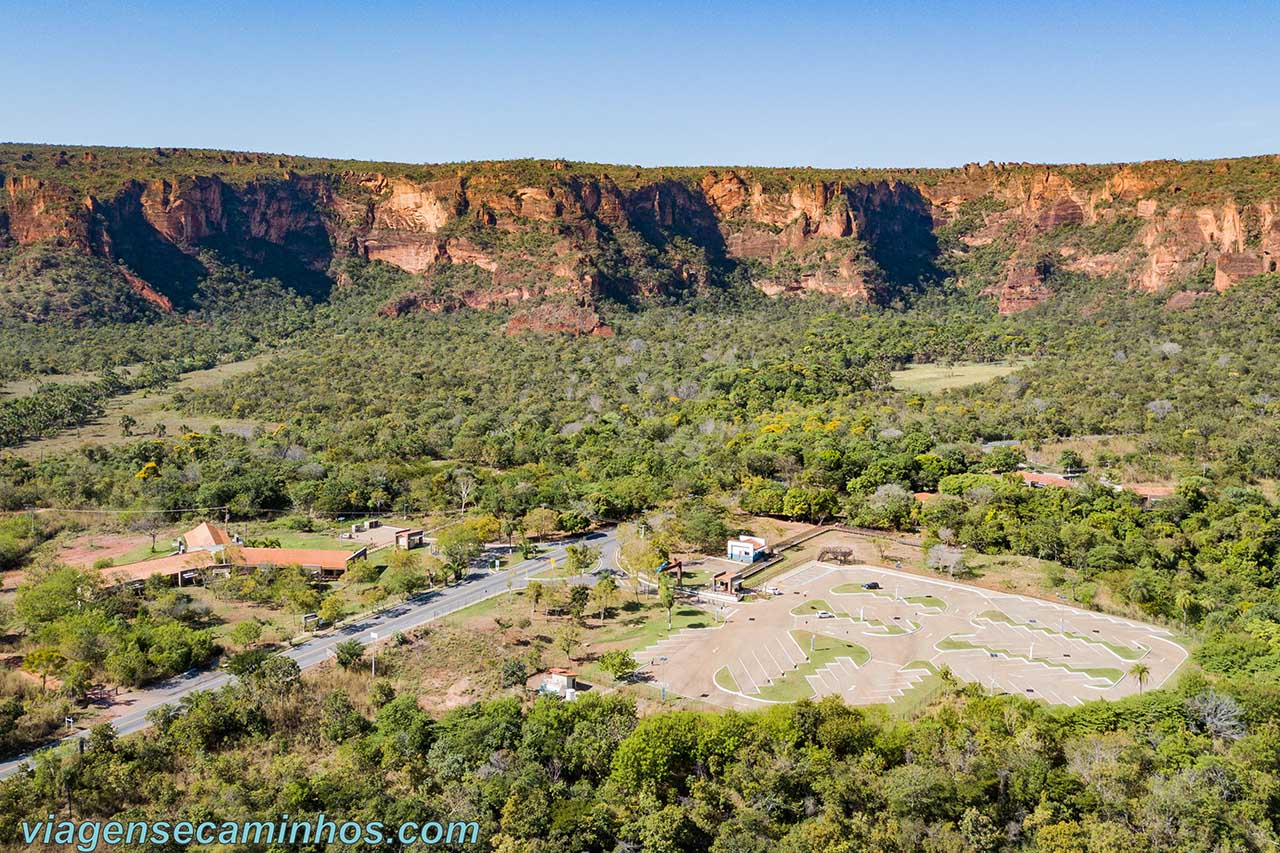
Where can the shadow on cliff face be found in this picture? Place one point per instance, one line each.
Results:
(126, 235)
(293, 263)
(298, 254)
(898, 229)
(669, 213)
(275, 230)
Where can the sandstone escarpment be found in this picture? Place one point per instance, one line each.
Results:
(494, 234)
(1163, 241)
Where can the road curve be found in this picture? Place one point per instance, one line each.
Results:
(412, 613)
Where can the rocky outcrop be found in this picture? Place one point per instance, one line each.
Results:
(36, 211)
(147, 292)
(487, 235)
(558, 318)
(1233, 267)
(1173, 243)
(1025, 286)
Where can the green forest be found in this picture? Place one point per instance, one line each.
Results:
(1191, 769)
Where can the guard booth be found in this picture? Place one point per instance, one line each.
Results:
(728, 582)
(409, 539)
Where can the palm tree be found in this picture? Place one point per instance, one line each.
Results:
(1141, 672)
(1184, 601)
(1140, 590)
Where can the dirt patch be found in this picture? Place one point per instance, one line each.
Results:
(87, 550)
(770, 529)
(461, 692)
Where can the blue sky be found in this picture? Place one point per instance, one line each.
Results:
(822, 84)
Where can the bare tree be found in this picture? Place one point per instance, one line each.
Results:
(464, 484)
(946, 558)
(1217, 714)
(150, 523)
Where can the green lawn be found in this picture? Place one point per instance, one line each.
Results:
(922, 600)
(303, 539)
(643, 628)
(726, 681)
(144, 552)
(694, 578)
(813, 605)
(921, 694)
(793, 686)
(856, 589)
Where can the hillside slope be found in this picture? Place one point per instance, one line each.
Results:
(501, 233)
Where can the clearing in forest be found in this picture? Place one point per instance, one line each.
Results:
(930, 378)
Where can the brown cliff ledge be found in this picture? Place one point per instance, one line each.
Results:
(526, 230)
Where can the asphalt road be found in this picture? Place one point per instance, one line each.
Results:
(373, 628)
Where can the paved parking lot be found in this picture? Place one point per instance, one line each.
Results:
(880, 644)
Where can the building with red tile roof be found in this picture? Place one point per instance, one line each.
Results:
(1151, 493)
(210, 547)
(206, 537)
(1038, 480)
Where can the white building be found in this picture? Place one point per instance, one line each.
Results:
(746, 549)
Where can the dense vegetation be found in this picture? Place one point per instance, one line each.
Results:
(234, 315)
(102, 170)
(1188, 770)
(786, 407)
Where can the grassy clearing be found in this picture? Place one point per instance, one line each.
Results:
(304, 539)
(646, 626)
(144, 551)
(928, 601)
(1026, 576)
(696, 578)
(149, 408)
(631, 625)
(794, 685)
(1120, 651)
(932, 378)
(726, 681)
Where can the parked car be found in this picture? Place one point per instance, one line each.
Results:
(772, 590)
(826, 614)
(871, 585)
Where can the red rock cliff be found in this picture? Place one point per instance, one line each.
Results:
(521, 233)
